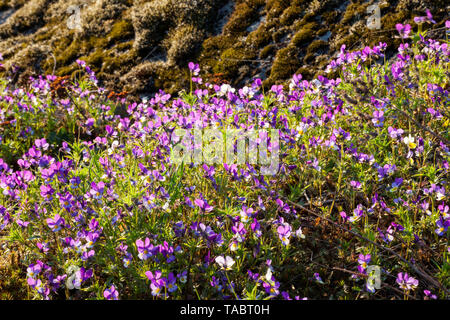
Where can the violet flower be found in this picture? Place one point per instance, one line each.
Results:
(225, 262)
(111, 293)
(406, 282)
(284, 233)
(144, 248)
(55, 223)
(404, 30)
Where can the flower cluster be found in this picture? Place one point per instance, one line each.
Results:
(96, 204)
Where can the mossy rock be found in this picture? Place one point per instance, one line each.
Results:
(267, 51)
(306, 72)
(349, 41)
(309, 58)
(200, 13)
(275, 8)
(286, 62)
(43, 36)
(124, 46)
(182, 43)
(4, 5)
(278, 35)
(67, 53)
(115, 63)
(243, 16)
(291, 14)
(305, 35)
(167, 79)
(331, 17)
(232, 59)
(309, 17)
(67, 70)
(95, 59)
(121, 30)
(151, 22)
(213, 47)
(354, 11)
(260, 37)
(322, 31)
(317, 47)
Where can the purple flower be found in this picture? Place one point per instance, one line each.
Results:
(127, 259)
(395, 133)
(283, 206)
(56, 282)
(364, 260)
(81, 63)
(171, 283)
(397, 183)
(386, 170)
(137, 152)
(84, 274)
(429, 295)
(203, 204)
(271, 286)
(406, 282)
(256, 227)
(43, 247)
(66, 201)
(87, 254)
(74, 182)
(97, 190)
(89, 122)
(239, 230)
(344, 216)
(78, 277)
(111, 293)
(157, 283)
(404, 30)
(284, 233)
(41, 143)
(358, 212)
(442, 226)
(246, 214)
(144, 248)
(318, 278)
(194, 68)
(355, 184)
(253, 276)
(47, 192)
(427, 18)
(55, 223)
(34, 269)
(430, 16)
(37, 285)
(182, 276)
(277, 89)
(21, 223)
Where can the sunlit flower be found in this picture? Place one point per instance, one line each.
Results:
(225, 262)
(406, 282)
(409, 141)
(111, 293)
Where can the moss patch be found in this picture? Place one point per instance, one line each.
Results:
(286, 62)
